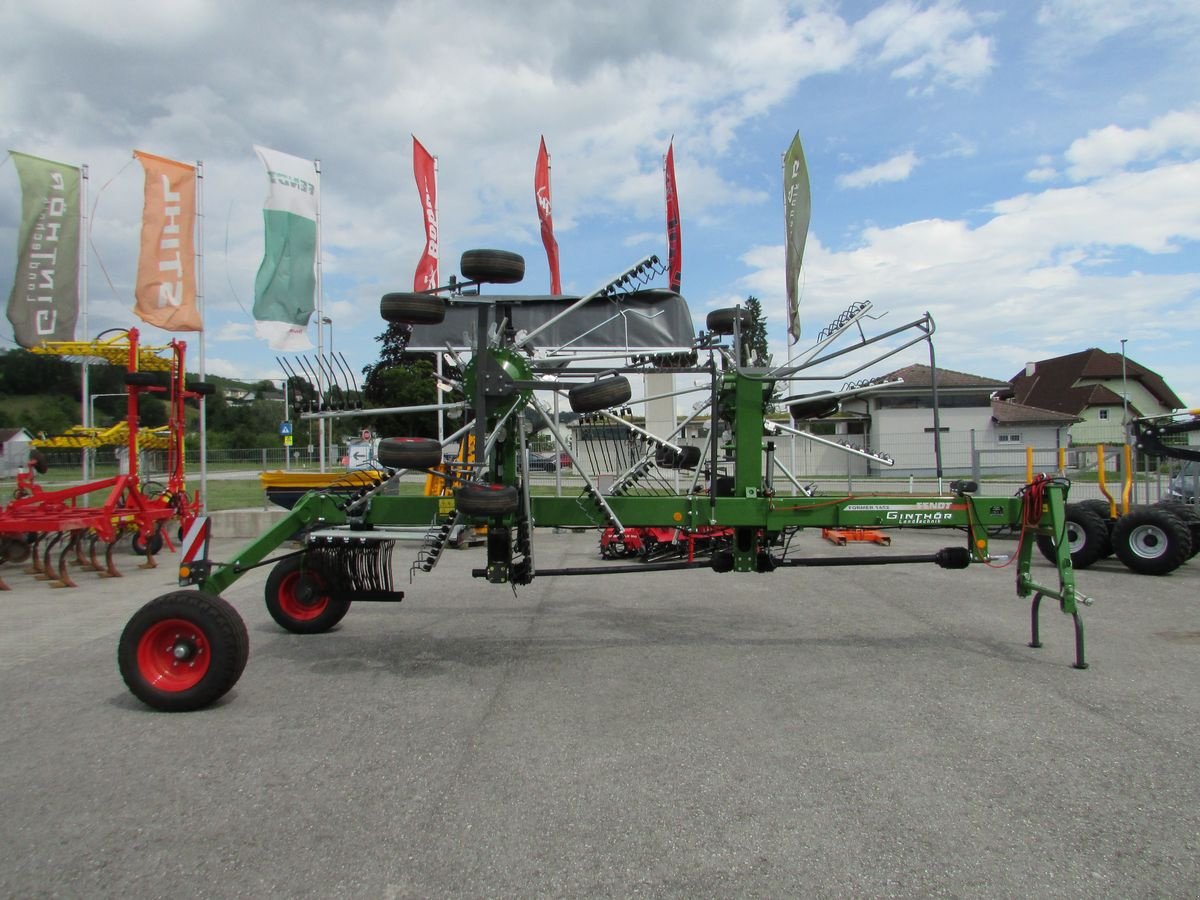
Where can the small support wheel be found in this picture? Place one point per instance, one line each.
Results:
(476, 499)
(151, 546)
(492, 266)
(300, 598)
(720, 321)
(183, 651)
(602, 394)
(412, 309)
(410, 453)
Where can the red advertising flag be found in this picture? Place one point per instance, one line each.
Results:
(674, 239)
(425, 170)
(541, 190)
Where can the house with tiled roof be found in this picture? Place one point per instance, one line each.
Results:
(978, 432)
(1092, 385)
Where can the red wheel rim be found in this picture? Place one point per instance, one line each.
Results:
(173, 655)
(303, 598)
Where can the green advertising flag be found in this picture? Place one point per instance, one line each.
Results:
(44, 302)
(797, 209)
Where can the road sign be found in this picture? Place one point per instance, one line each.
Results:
(287, 440)
(285, 428)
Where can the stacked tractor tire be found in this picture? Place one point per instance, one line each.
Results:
(1149, 540)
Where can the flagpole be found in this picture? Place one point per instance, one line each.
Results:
(320, 315)
(85, 414)
(198, 251)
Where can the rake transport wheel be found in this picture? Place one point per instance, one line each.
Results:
(183, 650)
(475, 499)
(492, 266)
(1151, 541)
(410, 453)
(597, 395)
(1102, 509)
(687, 457)
(412, 309)
(720, 321)
(300, 598)
(1086, 536)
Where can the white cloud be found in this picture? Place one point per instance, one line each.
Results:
(1112, 148)
(898, 168)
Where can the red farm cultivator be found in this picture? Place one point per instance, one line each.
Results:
(50, 528)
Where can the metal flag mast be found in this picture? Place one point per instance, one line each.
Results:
(85, 415)
(320, 316)
(198, 253)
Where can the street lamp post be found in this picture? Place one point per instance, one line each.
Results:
(325, 320)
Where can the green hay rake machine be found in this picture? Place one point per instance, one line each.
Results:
(510, 355)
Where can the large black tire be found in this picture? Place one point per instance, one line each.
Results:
(183, 651)
(1103, 510)
(602, 394)
(1151, 541)
(1086, 537)
(412, 309)
(1189, 515)
(492, 266)
(476, 499)
(203, 388)
(40, 464)
(409, 453)
(720, 321)
(814, 406)
(300, 599)
(687, 457)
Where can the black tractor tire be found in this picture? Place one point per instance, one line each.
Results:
(183, 651)
(1086, 535)
(410, 453)
(476, 499)
(1151, 541)
(1189, 515)
(203, 388)
(300, 600)
(412, 309)
(152, 545)
(720, 321)
(602, 394)
(40, 464)
(492, 266)
(687, 457)
(146, 379)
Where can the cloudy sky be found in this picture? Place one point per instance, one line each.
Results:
(1029, 173)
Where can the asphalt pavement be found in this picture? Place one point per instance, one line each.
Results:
(861, 731)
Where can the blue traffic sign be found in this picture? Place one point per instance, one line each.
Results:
(285, 428)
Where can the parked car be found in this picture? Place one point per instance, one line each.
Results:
(1183, 484)
(542, 462)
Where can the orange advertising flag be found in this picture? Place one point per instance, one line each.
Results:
(165, 293)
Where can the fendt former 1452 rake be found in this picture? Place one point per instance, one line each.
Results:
(510, 355)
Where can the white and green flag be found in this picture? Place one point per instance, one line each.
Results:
(285, 289)
(44, 302)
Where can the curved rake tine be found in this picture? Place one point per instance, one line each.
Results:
(110, 568)
(35, 560)
(93, 563)
(64, 577)
(44, 572)
(84, 562)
